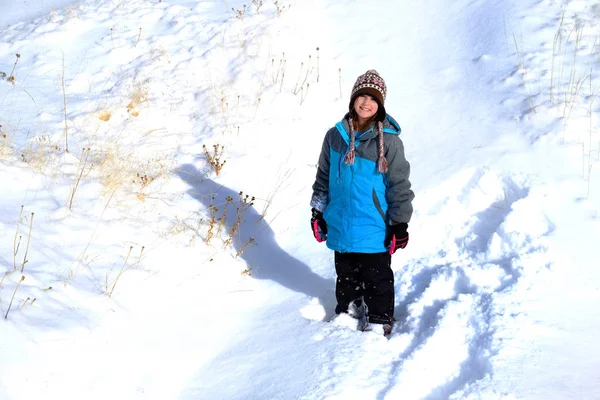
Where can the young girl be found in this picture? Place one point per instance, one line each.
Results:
(362, 203)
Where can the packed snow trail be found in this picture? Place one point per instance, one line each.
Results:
(479, 288)
(452, 296)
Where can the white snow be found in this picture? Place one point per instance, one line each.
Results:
(114, 284)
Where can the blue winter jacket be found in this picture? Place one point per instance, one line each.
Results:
(358, 202)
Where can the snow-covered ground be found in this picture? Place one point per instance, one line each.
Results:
(130, 268)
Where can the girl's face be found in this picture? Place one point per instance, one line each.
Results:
(365, 107)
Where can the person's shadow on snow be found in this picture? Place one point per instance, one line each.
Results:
(265, 258)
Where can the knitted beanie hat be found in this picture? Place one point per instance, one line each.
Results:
(372, 84)
(369, 83)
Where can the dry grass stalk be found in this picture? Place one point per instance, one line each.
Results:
(212, 223)
(280, 9)
(15, 244)
(142, 181)
(556, 48)
(123, 268)
(258, 4)
(256, 109)
(281, 179)
(81, 168)
(245, 202)
(6, 274)
(65, 103)
(81, 256)
(241, 251)
(318, 65)
(239, 14)
(573, 73)
(13, 296)
(304, 93)
(224, 108)
(126, 267)
(139, 96)
(218, 220)
(340, 81)
(25, 260)
(12, 73)
(214, 159)
(282, 75)
(223, 218)
(118, 167)
(11, 77)
(280, 71)
(298, 84)
(138, 38)
(280, 68)
(521, 56)
(26, 301)
(37, 152)
(6, 141)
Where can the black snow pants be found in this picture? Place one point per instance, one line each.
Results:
(365, 277)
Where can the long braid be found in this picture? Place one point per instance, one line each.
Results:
(349, 158)
(382, 164)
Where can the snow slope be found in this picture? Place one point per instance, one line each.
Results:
(115, 285)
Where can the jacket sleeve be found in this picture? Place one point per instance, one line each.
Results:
(320, 196)
(398, 192)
